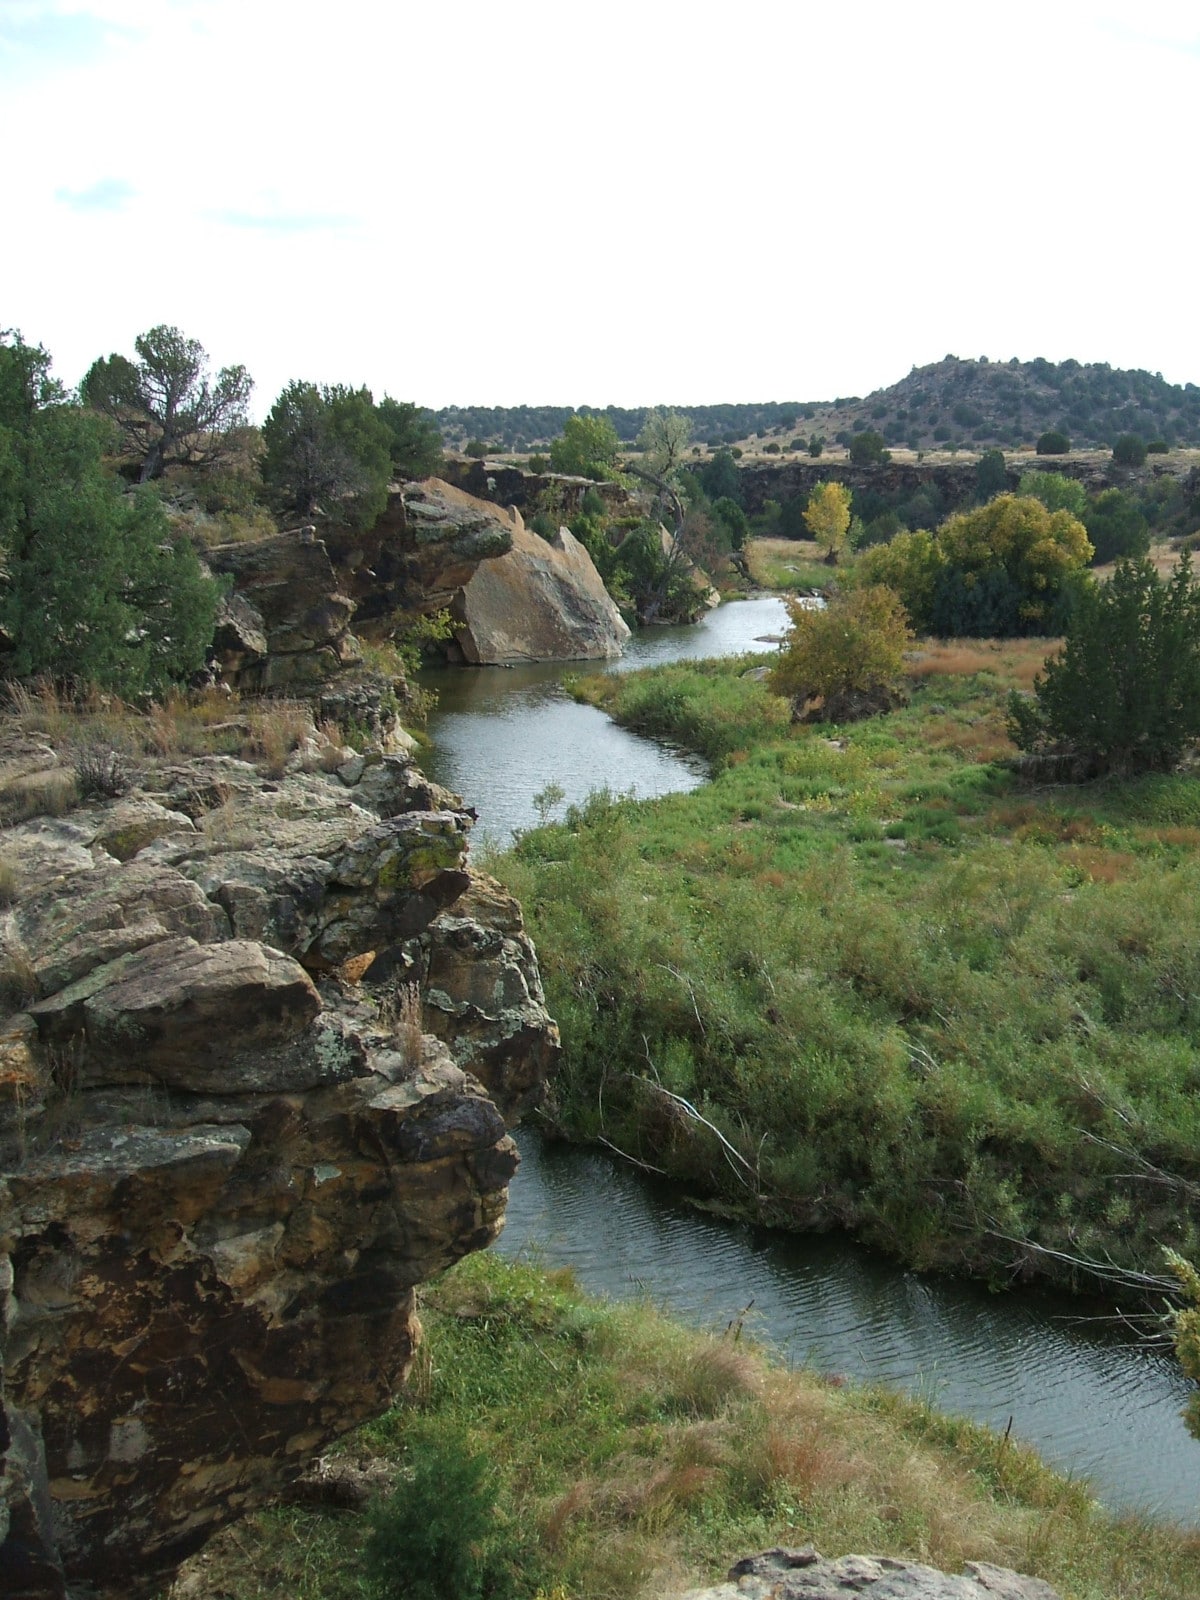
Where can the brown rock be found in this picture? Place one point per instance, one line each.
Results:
(221, 1186)
(543, 601)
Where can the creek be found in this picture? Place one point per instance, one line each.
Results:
(1078, 1387)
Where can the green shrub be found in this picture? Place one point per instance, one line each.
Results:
(1116, 527)
(1158, 447)
(476, 449)
(439, 1536)
(1053, 443)
(1129, 450)
(1124, 695)
(538, 464)
(867, 449)
(816, 444)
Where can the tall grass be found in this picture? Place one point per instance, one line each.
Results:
(959, 1018)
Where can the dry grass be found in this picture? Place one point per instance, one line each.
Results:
(400, 1014)
(19, 985)
(50, 793)
(977, 739)
(1015, 663)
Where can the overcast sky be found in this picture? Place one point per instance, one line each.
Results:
(629, 203)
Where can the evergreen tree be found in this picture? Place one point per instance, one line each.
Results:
(1124, 694)
(98, 589)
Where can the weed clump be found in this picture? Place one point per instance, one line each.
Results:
(102, 772)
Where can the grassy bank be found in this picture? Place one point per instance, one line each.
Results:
(863, 979)
(630, 1458)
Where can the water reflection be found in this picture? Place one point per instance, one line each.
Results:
(501, 735)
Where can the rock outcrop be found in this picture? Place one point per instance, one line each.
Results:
(227, 1159)
(426, 546)
(287, 622)
(542, 601)
(804, 1575)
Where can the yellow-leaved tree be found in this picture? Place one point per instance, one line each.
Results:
(845, 655)
(828, 517)
(1184, 1327)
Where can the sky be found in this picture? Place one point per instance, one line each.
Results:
(640, 202)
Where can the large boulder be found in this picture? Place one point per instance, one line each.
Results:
(426, 546)
(227, 1162)
(543, 601)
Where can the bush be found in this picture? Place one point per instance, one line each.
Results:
(1116, 527)
(1129, 450)
(476, 449)
(438, 1536)
(854, 646)
(816, 444)
(101, 772)
(538, 464)
(1053, 443)
(867, 449)
(1056, 492)
(1158, 447)
(991, 475)
(1124, 695)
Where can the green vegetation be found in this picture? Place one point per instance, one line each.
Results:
(1129, 450)
(1116, 526)
(166, 409)
(1053, 443)
(639, 1459)
(916, 1001)
(846, 654)
(328, 452)
(98, 588)
(1055, 491)
(586, 448)
(1000, 570)
(1124, 694)
(867, 449)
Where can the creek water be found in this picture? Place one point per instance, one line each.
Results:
(1092, 1400)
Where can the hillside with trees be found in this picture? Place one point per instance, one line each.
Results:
(952, 403)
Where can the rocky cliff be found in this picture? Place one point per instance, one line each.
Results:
(955, 481)
(260, 1040)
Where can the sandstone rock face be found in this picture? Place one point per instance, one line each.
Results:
(543, 601)
(426, 546)
(228, 1161)
(804, 1575)
(286, 623)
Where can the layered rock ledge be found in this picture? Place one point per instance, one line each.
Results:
(260, 1044)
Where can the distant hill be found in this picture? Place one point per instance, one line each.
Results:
(971, 404)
